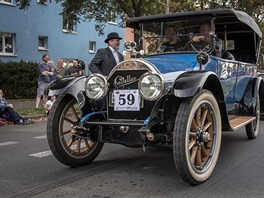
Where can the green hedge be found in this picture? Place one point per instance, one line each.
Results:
(19, 80)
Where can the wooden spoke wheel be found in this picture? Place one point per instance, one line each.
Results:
(66, 146)
(197, 137)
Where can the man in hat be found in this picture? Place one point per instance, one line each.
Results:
(107, 58)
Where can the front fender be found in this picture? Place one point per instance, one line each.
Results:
(75, 86)
(189, 83)
(67, 85)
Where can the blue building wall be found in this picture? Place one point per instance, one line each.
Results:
(45, 20)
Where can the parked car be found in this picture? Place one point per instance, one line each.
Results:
(182, 97)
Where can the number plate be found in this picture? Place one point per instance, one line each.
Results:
(126, 100)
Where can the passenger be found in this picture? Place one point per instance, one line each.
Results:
(171, 43)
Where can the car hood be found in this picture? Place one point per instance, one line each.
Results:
(173, 63)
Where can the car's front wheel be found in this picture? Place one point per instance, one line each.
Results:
(197, 137)
(67, 147)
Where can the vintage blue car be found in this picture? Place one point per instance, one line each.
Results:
(190, 76)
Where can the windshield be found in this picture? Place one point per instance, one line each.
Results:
(178, 36)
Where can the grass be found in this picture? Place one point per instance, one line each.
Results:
(30, 111)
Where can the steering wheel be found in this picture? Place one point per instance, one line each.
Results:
(204, 44)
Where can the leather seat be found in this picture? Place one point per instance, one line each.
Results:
(227, 55)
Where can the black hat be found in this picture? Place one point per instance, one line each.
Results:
(112, 35)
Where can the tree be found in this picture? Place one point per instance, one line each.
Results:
(100, 10)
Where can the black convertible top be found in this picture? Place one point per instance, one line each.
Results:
(242, 21)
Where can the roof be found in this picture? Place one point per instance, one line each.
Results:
(226, 15)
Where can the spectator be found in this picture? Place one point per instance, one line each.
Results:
(60, 70)
(7, 111)
(52, 77)
(49, 104)
(74, 70)
(45, 72)
(107, 58)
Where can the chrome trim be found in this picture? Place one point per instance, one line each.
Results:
(105, 89)
(109, 123)
(162, 85)
(134, 64)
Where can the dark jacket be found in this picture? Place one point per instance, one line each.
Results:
(104, 61)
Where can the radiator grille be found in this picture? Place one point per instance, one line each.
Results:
(127, 79)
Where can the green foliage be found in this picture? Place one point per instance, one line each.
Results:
(19, 79)
(30, 111)
(99, 10)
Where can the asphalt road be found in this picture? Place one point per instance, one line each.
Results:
(28, 169)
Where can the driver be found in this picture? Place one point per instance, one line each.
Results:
(205, 29)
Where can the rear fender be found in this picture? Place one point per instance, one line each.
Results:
(249, 100)
(261, 94)
(259, 89)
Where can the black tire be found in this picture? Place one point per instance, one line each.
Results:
(252, 128)
(69, 150)
(197, 137)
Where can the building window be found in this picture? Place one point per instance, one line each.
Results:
(43, 43)
(42, 2)
(92, 46)
(112, 18)
(6, 43)
(8, 1)
(69, 23)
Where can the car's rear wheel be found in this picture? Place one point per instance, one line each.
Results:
(197, 137)
(68, 148)
(253, 127)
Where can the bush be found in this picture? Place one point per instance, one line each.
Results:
(19, 80)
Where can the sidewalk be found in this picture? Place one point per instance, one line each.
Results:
(23, 103)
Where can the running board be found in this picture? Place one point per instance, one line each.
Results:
(241, 121)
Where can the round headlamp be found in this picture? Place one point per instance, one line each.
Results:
(96, 86)
(151, 86)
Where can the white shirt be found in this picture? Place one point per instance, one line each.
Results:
(115, 55)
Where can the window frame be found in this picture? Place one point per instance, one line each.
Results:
(45, 43)
(65, 19)
(92, 46)
(43, 2)
(3, 44)
(112, 15)
(7, 3)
